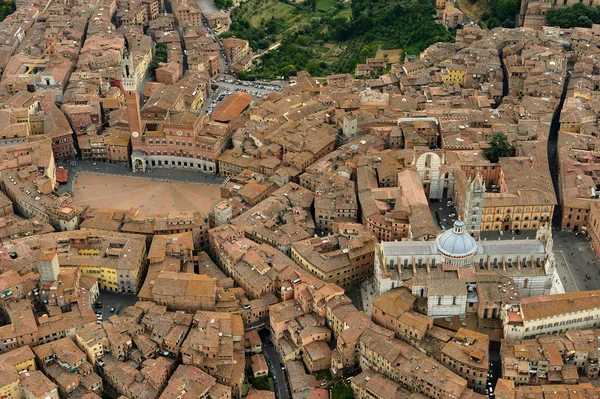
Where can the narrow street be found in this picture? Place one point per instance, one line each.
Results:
(553, 150)
(279, 375)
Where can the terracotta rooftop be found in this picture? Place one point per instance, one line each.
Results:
(231, 107)
(545, 306)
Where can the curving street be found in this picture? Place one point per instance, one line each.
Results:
(207, 6)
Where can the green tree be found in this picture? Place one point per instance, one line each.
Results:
(502, 13)
(224, 3)
(160, 55)
(578, 16)
(406, 24)
(342, 392)
(6, 9)
(499, 147)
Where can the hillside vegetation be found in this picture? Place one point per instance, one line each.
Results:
(328, 36)
(577, 16)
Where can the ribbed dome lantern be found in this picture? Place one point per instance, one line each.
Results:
(456, 246)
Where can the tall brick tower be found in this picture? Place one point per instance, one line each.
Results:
(132, 101)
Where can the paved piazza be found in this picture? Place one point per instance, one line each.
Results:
(153, 196)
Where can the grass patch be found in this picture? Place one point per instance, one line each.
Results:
(323, 50)
(474, 10)
(325, 5)
(260, 12)
(392, 56)
(264, 383)
(345, 12)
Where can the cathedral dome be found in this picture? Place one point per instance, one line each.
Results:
(456, 243)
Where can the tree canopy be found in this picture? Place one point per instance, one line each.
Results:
(499, 147)
(6, 9)
(502, 13)
(577, 16)
(356, 31)
(160, 55)
(224, 3)
(410, 23)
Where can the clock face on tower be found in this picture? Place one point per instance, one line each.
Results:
(135, 134)
(179, 133)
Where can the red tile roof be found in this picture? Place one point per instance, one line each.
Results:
(232, 107)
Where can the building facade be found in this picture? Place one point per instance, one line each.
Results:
(445, 271)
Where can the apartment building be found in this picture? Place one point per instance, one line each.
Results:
(393, 310)
(215, 344)
(372, 385)
(554, 359)
(335, 201)
(551, 314)
(116, 260)
(344, 258)
(467, 354)
(408, 366)
(93, 341)
(35, 385)
(190, 380)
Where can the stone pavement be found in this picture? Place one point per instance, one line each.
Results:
(105, 168)
(575, 258)
(149, 195)
(573, 253)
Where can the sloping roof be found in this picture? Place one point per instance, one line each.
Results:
(541, 307)
(62, 175)
(232, 107)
